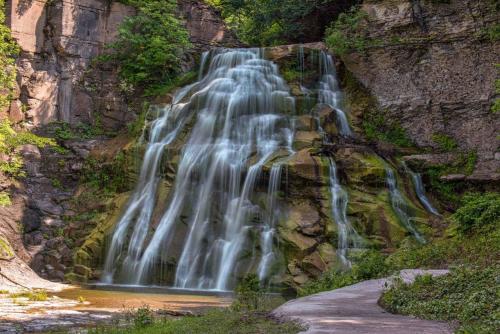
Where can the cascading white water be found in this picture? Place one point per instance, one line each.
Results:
(347, 235)
(420, 190)
(268, 230)
(239, 107)
(400, 206)
(329, 92)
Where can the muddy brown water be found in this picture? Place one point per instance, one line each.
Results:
(116, 299)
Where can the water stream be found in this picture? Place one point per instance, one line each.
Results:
(239, 109)
(420, 190)
(400, 205)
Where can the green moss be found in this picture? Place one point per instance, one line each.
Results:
(6, 251)
(5, 199)
(445, 142)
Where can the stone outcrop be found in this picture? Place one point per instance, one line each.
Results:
(205, 25)
(59, 39)
(434, 71)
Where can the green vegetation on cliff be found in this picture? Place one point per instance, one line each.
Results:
(8, 49)
(150, 45)
(469, 294)
(266, 23)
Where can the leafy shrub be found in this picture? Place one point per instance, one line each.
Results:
(151, 44)
(143, 317)
(248, 294)
(478, 210)
(10, 140)
(366, 265)
(8, 50)
(468, 295)
(345, 34)
(446, 143)
(265, 23)
(108, 177)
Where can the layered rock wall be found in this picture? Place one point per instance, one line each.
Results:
(433, 71)
(59, 39)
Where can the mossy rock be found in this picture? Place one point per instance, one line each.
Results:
(6, 251)
(362, 168)
(91, 252)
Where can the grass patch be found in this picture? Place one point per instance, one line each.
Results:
(467, 295)
(249, 314)
(35, 295)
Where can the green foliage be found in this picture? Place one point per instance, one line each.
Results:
(10, 140)
(468, 295)
(478, 211)
(218, 321)
(346, 33)
(108, 177)
(5, 199)
(376, 127)
(64, 131)
(142, 317)
(265, 23)
(150, 45)
(8, 50)
(248, 294)
(366, 265)
(445, 142)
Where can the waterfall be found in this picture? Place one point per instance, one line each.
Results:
(346, 232)
(329, 92)
(238, 113)
(268, 230)
(400, 206)
(420, 190)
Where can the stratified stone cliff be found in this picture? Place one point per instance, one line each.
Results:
(433, 71)
(59, 39)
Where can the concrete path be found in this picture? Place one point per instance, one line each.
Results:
(354, 310)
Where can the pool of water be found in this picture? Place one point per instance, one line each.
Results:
(113, 298)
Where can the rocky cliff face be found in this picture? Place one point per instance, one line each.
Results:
(434, 72)
(60, 38)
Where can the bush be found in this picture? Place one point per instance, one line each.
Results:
(151, 44)
(366, 265)
(10, 140)
(345, 34)
(248, 294)
(477, 211)
(468, 295)
(8, 50)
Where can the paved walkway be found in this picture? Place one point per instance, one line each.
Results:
(354, 310)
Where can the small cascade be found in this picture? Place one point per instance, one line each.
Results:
(268, 230)
(329, 92)
(238, 113)
(420, 190)
(347, 235)
(400, 206)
